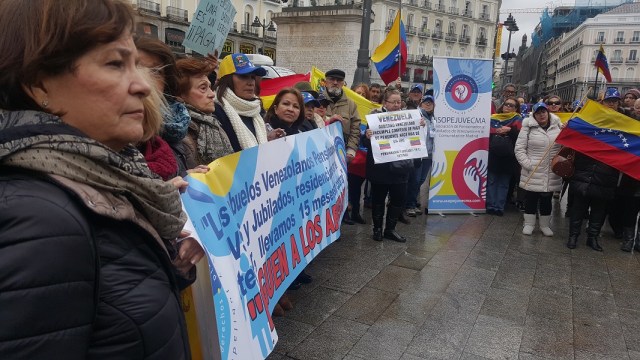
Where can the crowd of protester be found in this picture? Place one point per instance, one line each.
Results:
(595, 191)
(99, 128)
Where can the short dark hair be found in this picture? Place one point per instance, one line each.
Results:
(41, 38)
(157, 48)
(375, 85)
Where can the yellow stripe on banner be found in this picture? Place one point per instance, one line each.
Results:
(221, 182)
(191, 318)
(603, 117)
(364, 105)
(564, 116)
(267, 101)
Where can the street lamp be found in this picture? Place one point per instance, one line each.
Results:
(265, 28)
(511, 26)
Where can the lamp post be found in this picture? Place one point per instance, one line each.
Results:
(362, 71)
(265, 28)
(511, 26)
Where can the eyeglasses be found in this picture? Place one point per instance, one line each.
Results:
(551, 103)
(509, 105)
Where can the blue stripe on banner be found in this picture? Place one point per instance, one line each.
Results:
(616, 138)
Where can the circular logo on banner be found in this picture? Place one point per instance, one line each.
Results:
(461, 92)
(341, 151)
(469, 173)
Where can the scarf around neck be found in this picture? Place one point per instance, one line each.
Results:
(211, 142)
(235, 107)
(41, 142)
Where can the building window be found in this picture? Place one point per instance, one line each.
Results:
(144, 29)
(410, 20)
(633, 54)
(174, 38)
(421, 48)
(615, 72)
(465, 30)
(435, 49)
(630, 75)
(425, 23)
(620, 37)
(636, 36)
(462, 52)
(392, 15)
(452, 28)
(600, 37)
(617, 55)
(448, 51)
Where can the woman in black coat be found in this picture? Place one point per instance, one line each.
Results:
(592, 186)
(387, 179)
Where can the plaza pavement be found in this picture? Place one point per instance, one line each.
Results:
(465, 287)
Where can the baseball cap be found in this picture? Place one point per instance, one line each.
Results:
(323, 100)
(427, 98)
(612, 93)
(538, 106)
(239, 64)
(418, 87)
(308, 98)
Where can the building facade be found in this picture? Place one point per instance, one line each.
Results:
(572, 70)
(168, 20)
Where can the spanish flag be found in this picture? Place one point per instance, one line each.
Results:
(269, 88)
(605, 135)
(392, 50)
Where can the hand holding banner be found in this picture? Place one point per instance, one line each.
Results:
(209, 26)
(397, 135)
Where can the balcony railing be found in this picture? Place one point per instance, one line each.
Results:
(388, 26)
(234, 28)
(177, 14)
(481, 41)
(149, 6)
(411, 30)
(413, 2)
(464, 39)
(454, 10)
(616, 60)
(632, 61)
(600, 41)
(270, 35)
(440, 8)
(618, 41)
(437, 35)
(451, 37)
(635, 40)
(424, 33)
(427, 5)
(484, 16)
(467, 13)
(249, 30)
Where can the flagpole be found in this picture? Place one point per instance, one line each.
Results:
(400, 43)
(595, 86)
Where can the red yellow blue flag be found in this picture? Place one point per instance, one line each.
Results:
(605, 135)
(392, 50)
(602, 64)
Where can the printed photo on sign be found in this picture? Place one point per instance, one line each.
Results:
(397, 135)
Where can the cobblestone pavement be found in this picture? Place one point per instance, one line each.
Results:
(465, 287)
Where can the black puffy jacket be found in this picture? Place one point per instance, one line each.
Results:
(77, 285)
(593, 178)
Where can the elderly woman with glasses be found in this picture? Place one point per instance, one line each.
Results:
(554, 104)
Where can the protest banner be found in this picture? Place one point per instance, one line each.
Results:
(462, 91)
(262, 215)
(397, 135)
(210, 26)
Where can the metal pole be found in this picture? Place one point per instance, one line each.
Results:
(362, 71)
(400, 44)
(506, 61)
(264, 32)
(595, 86)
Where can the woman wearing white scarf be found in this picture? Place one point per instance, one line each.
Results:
(238, 108)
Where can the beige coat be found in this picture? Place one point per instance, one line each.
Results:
(532, 143)
(346, 108)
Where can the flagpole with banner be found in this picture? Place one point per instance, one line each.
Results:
(392, 52)
(400, 42)
(595, 85)
(602, 65)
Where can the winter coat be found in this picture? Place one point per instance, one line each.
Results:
(348, 109)
(532, 144)
(80, 278)
(593, 178)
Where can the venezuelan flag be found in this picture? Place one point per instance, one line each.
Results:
(384, 145)
(605, 135)
(415, 141)
(602, 64)
(512, 119)
(393, 49)
(269, 88)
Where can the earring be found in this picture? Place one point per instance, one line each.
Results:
(45, 103)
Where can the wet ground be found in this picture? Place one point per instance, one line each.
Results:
(465, 287)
